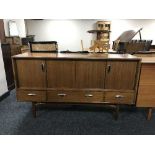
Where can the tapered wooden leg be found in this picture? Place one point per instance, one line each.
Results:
(149, 115)
(116, 113)
(34, 109)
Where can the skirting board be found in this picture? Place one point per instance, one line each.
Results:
(2, 97)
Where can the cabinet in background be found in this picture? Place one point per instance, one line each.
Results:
(6, 52)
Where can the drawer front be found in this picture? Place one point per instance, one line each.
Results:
(146, 96)
(74, 96)
(119, 97)
(33, 96)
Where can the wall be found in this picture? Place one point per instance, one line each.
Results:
(20, 26)
(3, 84)
(148, 32)
(68, 33)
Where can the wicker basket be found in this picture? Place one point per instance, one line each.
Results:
(50, 46)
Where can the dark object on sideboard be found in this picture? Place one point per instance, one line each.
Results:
(152, 48)
(15, 44)
(44, 47)
(6, 51)
(27, 39)
(67, 51)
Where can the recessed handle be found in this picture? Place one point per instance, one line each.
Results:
(43, 66)
(88, 95)
(109, 68)
(62, 94)
(119, 96)
(31, 94)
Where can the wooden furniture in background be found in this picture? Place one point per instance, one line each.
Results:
(76, 78)
(2, 32)
(103, 29)
(13, 40)
(6, 52)
(24, 48)
(146, 91)
(15, 44)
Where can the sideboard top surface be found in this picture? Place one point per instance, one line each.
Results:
(95, 56)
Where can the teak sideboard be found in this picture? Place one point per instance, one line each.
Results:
(76, 78)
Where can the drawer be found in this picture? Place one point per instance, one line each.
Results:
(74, 96)
(33, 96)
(119, 97)
(146, 96)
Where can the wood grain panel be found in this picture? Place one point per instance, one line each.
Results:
(74, 96)
(2, 31)
(147, 74)
(146, 90)
(6, 51)
(31, 95)
(81, 79)
(119, 97)
(90, 74)
(121, 75)
(60, 74)
(30, 74)
(146, 96)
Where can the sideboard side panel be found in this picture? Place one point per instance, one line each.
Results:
(146, 90)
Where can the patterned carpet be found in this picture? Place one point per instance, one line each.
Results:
(16, 119)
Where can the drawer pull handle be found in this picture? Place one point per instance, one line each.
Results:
(43, 66)
(31, 94)
(109, 68)
(88, 95)
(62, 95)
(106, 102)
(119, 96)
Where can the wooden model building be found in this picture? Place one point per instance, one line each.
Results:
(101, 44)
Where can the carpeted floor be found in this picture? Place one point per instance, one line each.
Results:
(16, 119)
